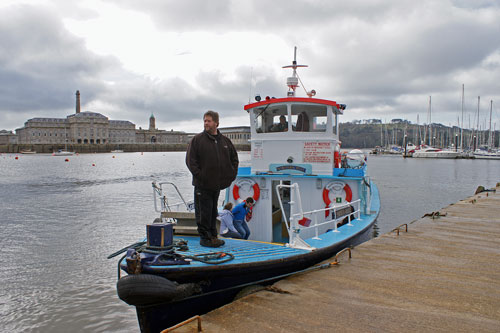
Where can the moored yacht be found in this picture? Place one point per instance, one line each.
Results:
(431, 152)
(487, 154)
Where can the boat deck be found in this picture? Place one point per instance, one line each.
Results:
(245, 251)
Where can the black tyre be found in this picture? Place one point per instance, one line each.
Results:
(143, 289)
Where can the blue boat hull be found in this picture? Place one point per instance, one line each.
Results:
(227, 281)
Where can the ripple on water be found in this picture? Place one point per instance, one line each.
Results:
(61, 220)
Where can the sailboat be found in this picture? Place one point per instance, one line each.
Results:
(64, 152)
(429, 151)
(488, 153)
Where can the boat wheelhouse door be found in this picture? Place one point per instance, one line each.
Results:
(279, 229)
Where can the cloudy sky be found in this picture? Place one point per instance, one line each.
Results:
(177, 59)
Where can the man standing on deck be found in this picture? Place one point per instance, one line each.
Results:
(213, 162)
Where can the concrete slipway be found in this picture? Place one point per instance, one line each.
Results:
(443, 275)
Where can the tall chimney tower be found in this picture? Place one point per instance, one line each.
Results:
(78, 101)
(152, 125)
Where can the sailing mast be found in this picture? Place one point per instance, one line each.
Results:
(430, 122)
(476, 143)
(462, 127)
(490, 137)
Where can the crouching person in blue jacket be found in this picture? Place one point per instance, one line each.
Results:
(242, 214)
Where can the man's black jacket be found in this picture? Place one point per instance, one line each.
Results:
(213, 161)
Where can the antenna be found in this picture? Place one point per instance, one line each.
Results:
(293, 81)
(251, 83)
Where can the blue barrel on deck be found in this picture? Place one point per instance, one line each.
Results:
(159, 234)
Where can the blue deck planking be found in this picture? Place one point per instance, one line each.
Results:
(244, 251)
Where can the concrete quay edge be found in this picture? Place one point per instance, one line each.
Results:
(443, 275)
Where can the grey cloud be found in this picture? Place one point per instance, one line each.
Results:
(381, 57)
(41, 64)
(256, 15)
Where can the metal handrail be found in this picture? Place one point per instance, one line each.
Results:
(335, 209)
(165, 206)
(348, 249)
(293, 227)
(184, 323)
(397, 228)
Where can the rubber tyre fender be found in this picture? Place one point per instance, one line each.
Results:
(144, 289)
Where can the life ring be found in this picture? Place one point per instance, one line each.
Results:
(331, 186)
(251, 183)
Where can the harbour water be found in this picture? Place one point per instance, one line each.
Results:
(60, 220)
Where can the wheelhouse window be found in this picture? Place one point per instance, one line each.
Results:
(271, 119)
(309, 118)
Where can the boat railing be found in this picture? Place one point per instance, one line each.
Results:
(314, 219)
(165, 204)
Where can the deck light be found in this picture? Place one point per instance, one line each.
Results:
(257, 98)
(311, 93)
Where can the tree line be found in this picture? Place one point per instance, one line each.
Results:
(370, 135)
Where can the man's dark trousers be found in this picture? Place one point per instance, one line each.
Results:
(205, 207)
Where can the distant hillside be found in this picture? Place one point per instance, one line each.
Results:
(354, 135)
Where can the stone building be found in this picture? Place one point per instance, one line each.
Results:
(239, 135)
(154, 135)
(7, 137)
(92, 128)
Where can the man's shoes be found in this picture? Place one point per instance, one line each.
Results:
(214, 242)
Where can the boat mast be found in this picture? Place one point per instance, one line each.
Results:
(416, 132)
(430, 122)
(490, 142)
(293, 81)
(462, 126)
(381, 134)
(419, 138)
(477, 129)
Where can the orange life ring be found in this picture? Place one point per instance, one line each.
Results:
(256, 191)
(326, 195)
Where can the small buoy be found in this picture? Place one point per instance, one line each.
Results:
(113, 156)
(66, 160)
(17, 157)
(93, 164)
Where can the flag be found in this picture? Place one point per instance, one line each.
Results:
(304, 221)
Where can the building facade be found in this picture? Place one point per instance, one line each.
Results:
(80, 128)
(92, 128)
(154, 135)
(238, 135)
(7, 137)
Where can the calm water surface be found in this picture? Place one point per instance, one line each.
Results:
(60, 220)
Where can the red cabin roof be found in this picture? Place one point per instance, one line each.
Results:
(292, 99)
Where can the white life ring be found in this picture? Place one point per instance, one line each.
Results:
(246, 181)
(336, 188)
